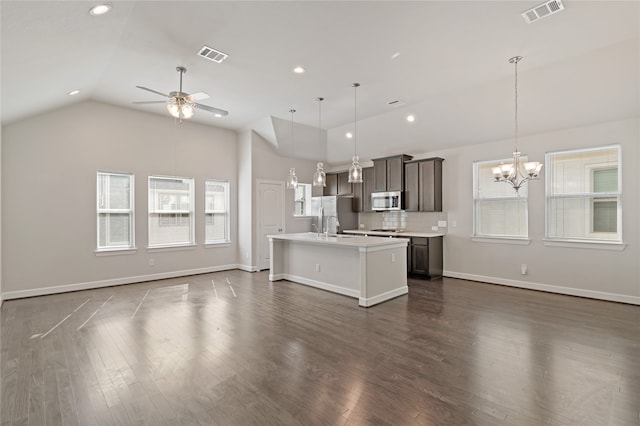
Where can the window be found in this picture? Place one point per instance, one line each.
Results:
(115, 211)
(216, 211)
(498, 211)
(170, 212)
(302, 200)
(583, 194)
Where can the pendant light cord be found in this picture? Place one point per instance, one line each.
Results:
(516, 101)
(293, 147)
(355, 118)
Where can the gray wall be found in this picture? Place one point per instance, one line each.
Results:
(613, 275)
(49, 169)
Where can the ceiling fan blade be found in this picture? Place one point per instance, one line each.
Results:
(212, 109)
(152, 91)
(149, 102)
(197, 96)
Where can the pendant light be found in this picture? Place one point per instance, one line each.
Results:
(292, 179)
(319, 177)
(513, 174)
(355, 171)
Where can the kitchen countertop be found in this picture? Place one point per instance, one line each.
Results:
(339, 240)
(394, 233)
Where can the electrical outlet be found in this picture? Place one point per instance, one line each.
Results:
(362, 226)
(442, 223)
(152, 262)
(317, 267)
(434, 228)
(523, 269)
(393, 257)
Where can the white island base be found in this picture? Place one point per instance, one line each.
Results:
(371, 269)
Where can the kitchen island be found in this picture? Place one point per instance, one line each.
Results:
(371, 269)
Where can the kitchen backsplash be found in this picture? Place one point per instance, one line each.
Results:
(401, 220)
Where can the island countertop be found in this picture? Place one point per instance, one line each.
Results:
(343, 240)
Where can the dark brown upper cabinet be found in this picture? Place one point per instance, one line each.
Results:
(389, 173)
(423, 185)
(331, 187)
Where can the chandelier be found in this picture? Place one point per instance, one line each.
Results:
(515, 174)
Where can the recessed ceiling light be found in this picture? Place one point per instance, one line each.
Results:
(217, 115)
(411, 118)
(73, 92)
(299, 70)
(395, 55)
(349, 135)
(100, 9)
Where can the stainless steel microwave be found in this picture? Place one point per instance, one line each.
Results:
(386, 200)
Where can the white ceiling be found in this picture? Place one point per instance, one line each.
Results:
(451, 65)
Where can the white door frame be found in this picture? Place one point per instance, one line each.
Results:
(259, 243)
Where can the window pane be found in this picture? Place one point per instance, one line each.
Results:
(169, 229)
(605, 216)
(114, 230)
(216, 227)
(569, 172)
(605, 180)
(502, 217)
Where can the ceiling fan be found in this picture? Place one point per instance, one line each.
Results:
(181, 104)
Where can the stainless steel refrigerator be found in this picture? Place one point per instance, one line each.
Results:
(333, 214)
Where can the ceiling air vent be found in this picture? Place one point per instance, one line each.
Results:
(542, 10)
(212, 54)
(396, 103)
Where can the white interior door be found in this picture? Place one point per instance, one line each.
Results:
(270, 217)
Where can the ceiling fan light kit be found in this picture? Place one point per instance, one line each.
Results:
(182, 105)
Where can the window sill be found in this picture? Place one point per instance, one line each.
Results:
(220, 244)
(171, 248)
(115, 251)
(502, 240)
(595, 245)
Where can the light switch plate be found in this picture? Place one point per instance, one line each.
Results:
(442, 223)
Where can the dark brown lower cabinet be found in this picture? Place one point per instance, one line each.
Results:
(425, 257)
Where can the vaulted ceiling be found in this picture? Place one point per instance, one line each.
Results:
(446, 61)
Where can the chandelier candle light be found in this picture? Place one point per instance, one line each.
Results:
(513, 173)
(292, 179)
(319, 177)
(355, 171)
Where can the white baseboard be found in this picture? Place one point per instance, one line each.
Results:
(112, 282)
(370, 301)
(591, 294)
(248, 268)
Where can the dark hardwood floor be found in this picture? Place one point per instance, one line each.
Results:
(231, 348)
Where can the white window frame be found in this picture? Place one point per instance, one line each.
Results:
(101, 210)
(152, 206)
(477, 236)
(592, 238)
(226, 212)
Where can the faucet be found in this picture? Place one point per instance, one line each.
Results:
(316, 226)
(329, 221)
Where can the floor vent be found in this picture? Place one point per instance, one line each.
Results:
(542, 10)
(212, 54)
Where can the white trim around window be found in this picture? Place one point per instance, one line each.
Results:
(584, 198)
(216, 212)
(170, 212)
(114, 212)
